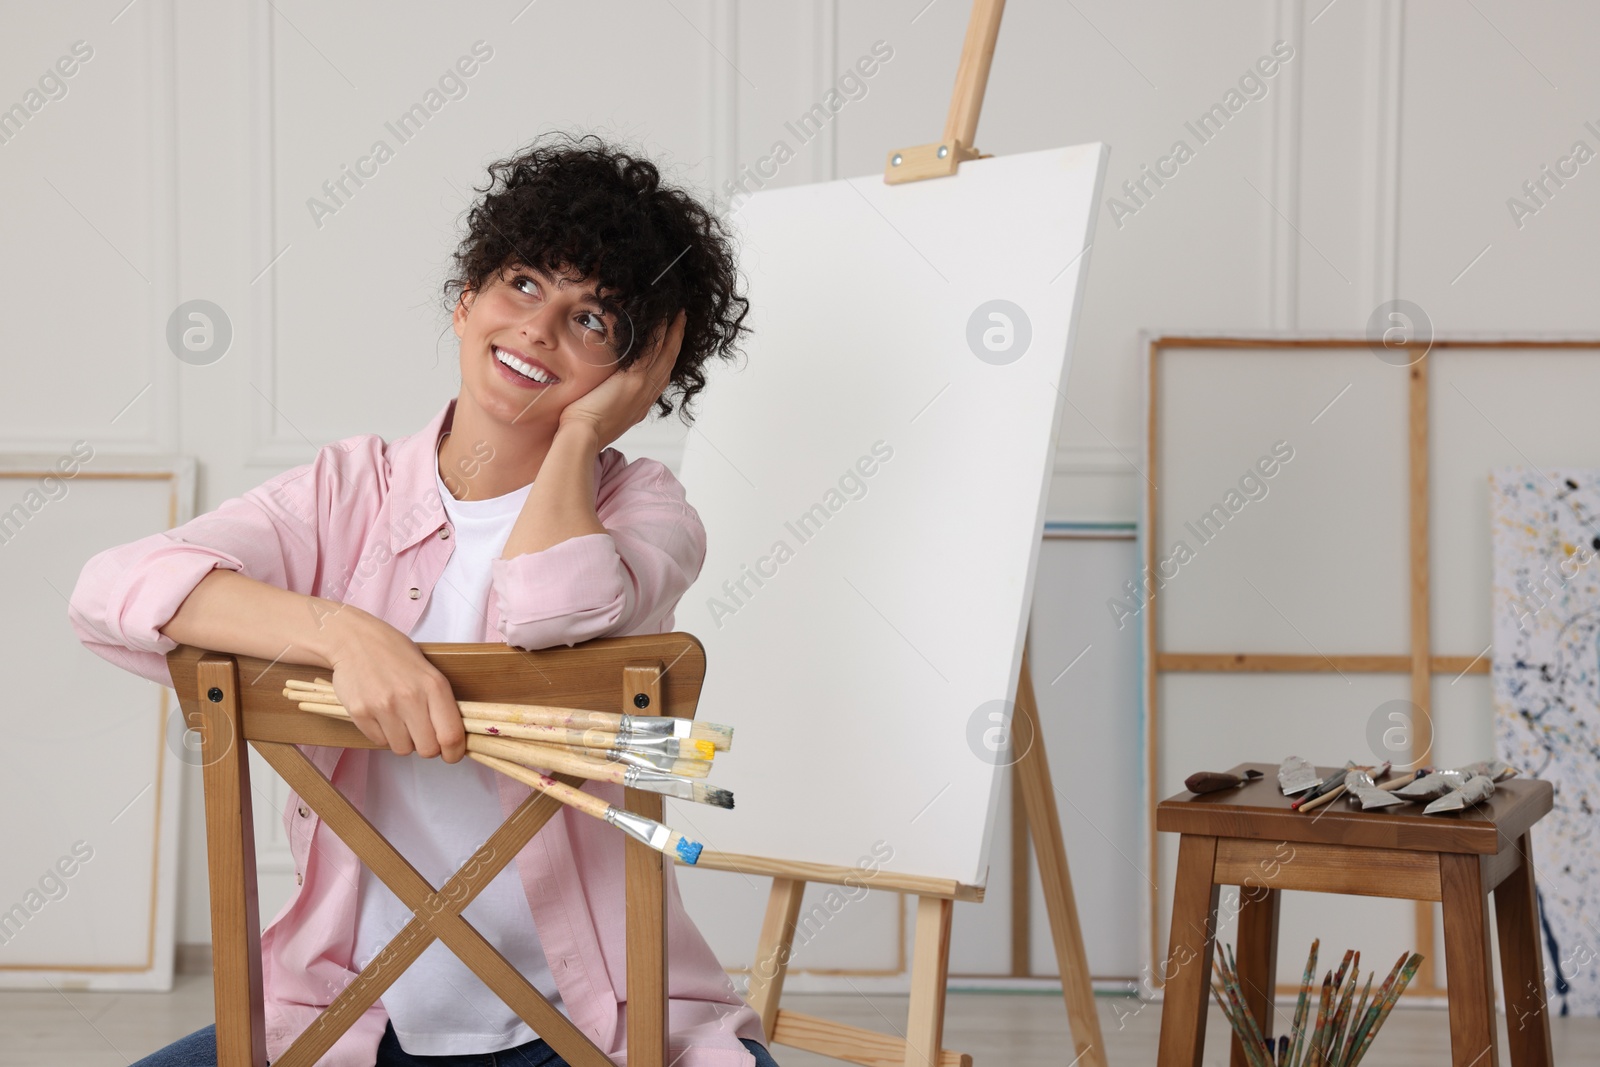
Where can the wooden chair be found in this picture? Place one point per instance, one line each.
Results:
(232, 698)
(1249, 837)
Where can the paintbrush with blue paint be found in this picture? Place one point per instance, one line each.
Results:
(647, 831)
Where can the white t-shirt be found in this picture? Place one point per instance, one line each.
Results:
(437, 814)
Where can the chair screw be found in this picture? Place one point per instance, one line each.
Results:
(641, 700)
(214, 695)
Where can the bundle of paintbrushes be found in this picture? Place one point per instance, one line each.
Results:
(528, 742)
(1344, 1025)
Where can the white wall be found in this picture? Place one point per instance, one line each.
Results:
(1377, 163)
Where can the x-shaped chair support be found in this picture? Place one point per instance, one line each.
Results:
(437, 914)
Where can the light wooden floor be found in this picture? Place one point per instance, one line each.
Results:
(998, 1029)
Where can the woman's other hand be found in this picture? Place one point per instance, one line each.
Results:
(625, 398)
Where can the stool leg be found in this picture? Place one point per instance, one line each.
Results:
(1257, 957)
(1466, 957)
(1516, 914)
(1186, 971)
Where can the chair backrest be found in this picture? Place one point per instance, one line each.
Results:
(236, 702)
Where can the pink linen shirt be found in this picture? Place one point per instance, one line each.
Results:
(363, 524)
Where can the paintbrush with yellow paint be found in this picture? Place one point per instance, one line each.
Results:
(558, 726)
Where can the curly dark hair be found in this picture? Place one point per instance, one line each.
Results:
(569, 204)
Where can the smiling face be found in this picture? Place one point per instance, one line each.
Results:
(531, 344)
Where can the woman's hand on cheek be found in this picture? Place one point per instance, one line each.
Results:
(625, 398)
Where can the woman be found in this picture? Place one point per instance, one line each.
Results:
(584, 293)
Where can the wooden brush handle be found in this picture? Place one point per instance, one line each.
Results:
(530, 754)
(570, 761)
(551, 735)
(1336, 791)
(540, 715)
(531, 714)
(576, 798)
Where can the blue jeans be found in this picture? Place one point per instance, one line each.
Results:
(199, 1049)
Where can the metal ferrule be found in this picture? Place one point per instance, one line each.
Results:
(654, 781)
(648, 760)
(641, 829)
(661, 746)
(654, 726)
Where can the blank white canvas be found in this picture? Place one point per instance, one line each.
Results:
(868, 658)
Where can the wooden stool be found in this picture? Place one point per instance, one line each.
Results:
(1249, 837)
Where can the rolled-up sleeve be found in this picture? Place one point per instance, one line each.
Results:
(627, 580)
(126, 593)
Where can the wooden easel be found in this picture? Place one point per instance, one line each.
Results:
(930, 960)
(930, 963)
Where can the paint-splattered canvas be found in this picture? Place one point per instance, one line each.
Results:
(1546, 537)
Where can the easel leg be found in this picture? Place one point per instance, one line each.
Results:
(231, 854)
(1258, 960)
(1516, 913)
(930, 964)
(1033, 779)
(772, 950)
(1021, 885)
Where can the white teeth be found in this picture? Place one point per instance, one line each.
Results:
(527, 370)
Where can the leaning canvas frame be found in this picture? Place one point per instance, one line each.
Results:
(176, 478)
(1421, 662)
